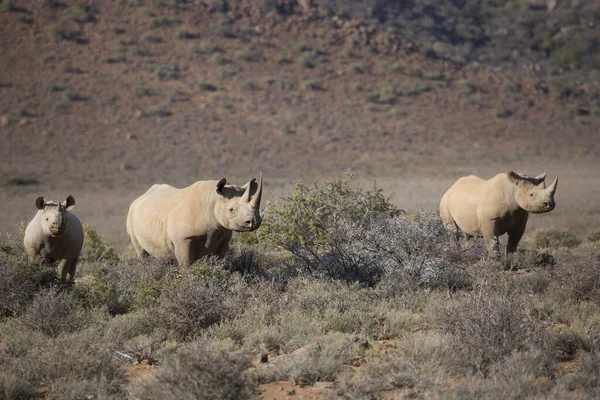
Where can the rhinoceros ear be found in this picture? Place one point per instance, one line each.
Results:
(221, 185)
(513, 177)
(40, 202)
(69, 202)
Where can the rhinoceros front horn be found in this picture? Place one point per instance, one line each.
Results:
(552, 188)
(258, 194)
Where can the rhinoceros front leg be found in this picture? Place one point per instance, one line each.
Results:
(492, 241)
(514, 237)
(63, 269)
(183, 250)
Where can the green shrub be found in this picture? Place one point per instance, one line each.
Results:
(206, 86)
(301, 221)
(80, 13)
(158, 22)
(165, 73)
(57, 32)
(95, 249)
(545, 239)
(218, 59)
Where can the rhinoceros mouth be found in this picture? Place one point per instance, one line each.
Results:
(57, 232)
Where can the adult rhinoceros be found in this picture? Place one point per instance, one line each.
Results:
(491, 208)
(186, 224)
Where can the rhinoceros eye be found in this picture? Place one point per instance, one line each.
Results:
(530, 194)
(231, 210)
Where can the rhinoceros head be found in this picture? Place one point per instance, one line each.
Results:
(52, 219)
(532, 194)
(238, 209)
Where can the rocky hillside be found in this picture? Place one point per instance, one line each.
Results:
(123, 92)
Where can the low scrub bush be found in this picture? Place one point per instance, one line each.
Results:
(20, 281)
(15, 387)
(485, 326)
(321, 360)
(124, 286)
(577, 276)
(54, 311)
(593, 236)
(198, 298)
(309, 223)
(200, 370)
(545, 239)
(73, 365)
(96, 249)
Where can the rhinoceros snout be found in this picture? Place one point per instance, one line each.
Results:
(253, 224)
(549, 205)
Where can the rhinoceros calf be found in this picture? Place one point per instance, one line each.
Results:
(55, 234)
(186, 224)
(491, 208)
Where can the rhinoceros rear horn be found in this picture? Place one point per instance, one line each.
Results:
(246, 197)
(69, 202)
(552, 188)
(258, 194)
(541, 177)
(221, 185)
(40, 202)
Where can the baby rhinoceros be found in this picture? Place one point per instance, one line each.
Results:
(493, 207)
(56, 235)
(187, 224)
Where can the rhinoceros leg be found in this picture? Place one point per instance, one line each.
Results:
(184, 252)
(71, 267)
(514, 237)
(223, 248)
(63, 269)
(139, 250)
(491, 238)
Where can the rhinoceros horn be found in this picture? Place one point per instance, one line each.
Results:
(248, 187)
(541, 177)
(258, 194)
(552, 188)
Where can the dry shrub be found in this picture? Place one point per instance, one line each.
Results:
(485, 325)
(124, 286)
(577, 276)
(200, 370)
(55, 310)
(551, 238)
(416, 361)
(74, 365)
(200, 297)
(19, 283)
(14, 387)
(321, 360)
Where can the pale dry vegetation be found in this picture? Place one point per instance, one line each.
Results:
(336, 277)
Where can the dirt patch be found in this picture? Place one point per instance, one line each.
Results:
(287, 390)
